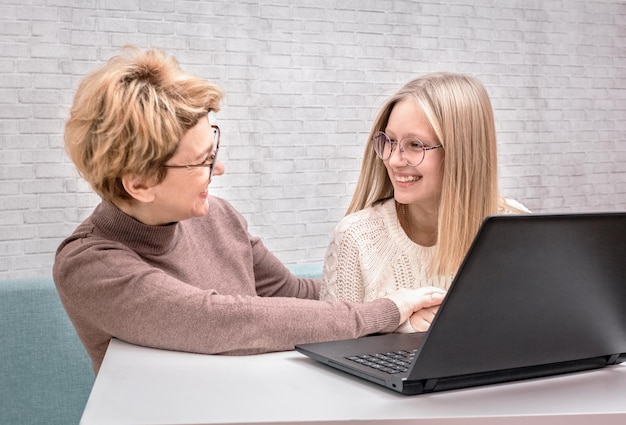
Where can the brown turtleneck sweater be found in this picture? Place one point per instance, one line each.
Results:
(202, 285)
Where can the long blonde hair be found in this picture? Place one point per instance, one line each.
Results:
(129, 116)
(460, 113)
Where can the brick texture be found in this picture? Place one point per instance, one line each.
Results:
(304, 79)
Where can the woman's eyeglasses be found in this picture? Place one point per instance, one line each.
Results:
(412, 151)
(211, 158)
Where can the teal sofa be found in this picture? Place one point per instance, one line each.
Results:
(311, 270)
(45, 373)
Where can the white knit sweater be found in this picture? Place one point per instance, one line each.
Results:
(370, 256)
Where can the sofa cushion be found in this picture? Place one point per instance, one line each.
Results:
(45, 372)
(313, 271)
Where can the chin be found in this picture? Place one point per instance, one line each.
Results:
(404, 199)
(200, 210)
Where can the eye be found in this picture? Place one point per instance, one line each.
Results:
(209, 159)
(415, 145)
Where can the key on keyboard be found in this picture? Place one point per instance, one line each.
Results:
(390, 362)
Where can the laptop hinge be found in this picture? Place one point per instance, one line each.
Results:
(430, 385)
(613, 359)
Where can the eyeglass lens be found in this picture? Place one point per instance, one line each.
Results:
(216, 140)
(412, 151)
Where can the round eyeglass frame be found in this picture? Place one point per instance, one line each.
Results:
(381, 138)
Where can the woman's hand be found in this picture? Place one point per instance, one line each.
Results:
(422, 301)
(420, 320)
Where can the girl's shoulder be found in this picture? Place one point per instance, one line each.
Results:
(511, 206)
(365, 218)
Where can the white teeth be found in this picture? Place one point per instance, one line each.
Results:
(406, 179)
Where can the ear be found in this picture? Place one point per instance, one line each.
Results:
(139, 187)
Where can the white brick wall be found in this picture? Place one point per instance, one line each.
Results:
(303, 80)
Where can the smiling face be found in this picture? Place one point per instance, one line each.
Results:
(420, 185)
(183, 193)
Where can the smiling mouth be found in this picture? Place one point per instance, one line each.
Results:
(407, 179)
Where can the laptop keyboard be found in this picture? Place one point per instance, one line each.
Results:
(389, 362)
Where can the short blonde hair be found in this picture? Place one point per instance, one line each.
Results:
(460, 113)
(129, 116)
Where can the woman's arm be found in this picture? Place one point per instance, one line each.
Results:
(342, 279)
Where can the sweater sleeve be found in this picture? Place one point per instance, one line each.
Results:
(108, 291)
(273, 279)
(342, 278)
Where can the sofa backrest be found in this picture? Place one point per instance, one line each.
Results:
(313, 271)
(45, 373)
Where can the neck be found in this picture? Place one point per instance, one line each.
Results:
(420, 226)
(136, 210)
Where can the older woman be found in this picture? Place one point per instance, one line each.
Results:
(162, 263)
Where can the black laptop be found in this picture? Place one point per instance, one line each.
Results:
(536, 295)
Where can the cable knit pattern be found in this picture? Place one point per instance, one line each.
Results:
(370, 256)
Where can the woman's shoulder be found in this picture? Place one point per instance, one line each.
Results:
(222, 218)
(512, 206)
(220, 204)
(362, 219)
(222, 210)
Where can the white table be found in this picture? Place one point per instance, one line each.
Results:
(139, 385)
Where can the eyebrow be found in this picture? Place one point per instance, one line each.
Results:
(414, 136)
(202, 155)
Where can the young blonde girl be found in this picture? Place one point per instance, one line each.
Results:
(410, 224)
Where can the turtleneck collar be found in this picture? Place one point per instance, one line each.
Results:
(139, 237)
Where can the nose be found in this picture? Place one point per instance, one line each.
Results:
(396, 159)
(218, 168)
